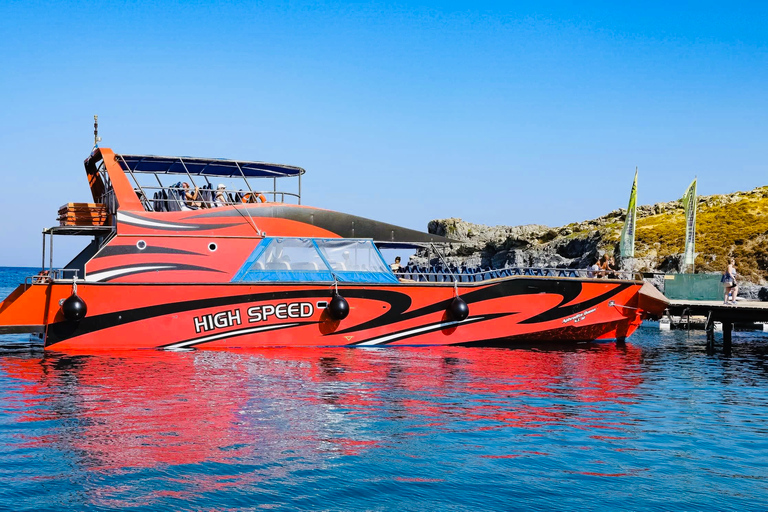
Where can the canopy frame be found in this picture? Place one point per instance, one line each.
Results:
(209, 167)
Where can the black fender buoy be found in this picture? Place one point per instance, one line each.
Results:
(74, 308)
(459, 309)
(338, 308)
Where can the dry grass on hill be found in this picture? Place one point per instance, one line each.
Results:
(731, 225)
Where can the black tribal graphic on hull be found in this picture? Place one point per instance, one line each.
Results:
(399, 303)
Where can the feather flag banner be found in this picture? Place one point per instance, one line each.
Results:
(627, 242)
(689, 204)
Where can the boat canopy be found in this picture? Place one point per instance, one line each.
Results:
(205, 167)
(315, 260)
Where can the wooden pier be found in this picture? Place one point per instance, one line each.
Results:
(716, 311)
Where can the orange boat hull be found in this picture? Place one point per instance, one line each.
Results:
(149, 316)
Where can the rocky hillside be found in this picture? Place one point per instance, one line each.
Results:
(726, 225)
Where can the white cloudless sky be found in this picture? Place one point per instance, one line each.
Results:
(497, 113)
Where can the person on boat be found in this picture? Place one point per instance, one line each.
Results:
(594, 269)
(345, 263)
(610, 267)
(396, 267)
(221, 196)
(603, 266)
(142, 197)
(190, 198)
(729, 280)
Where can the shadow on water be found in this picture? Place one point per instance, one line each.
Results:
(21, 345)
(747, 354)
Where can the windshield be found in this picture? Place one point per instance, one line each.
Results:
(314, 259)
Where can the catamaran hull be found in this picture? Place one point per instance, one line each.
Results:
(174, 316)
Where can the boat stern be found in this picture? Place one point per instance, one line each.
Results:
(25, 309)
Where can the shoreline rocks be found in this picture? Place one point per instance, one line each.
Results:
(660, 230)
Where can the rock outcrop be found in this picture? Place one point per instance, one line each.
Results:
(727, 225)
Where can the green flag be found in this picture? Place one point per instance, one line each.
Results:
(689, 204)
(627, 243)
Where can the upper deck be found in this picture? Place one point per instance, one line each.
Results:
(220, 197)
(164, 183)
(233, 182)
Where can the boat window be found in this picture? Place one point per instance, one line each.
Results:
(355, 261)
(285, 259)
(308, 259)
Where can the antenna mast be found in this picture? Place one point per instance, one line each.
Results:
(96, 138)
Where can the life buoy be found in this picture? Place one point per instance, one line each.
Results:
(254, 197)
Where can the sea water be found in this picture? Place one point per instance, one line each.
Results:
(654, 424)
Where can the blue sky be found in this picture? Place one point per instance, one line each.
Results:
(498, 113)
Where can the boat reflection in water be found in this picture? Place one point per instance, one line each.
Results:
(152, 409)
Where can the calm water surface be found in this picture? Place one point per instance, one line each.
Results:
(656, 424)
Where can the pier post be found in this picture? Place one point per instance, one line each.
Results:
(727, 330)
(710, 328)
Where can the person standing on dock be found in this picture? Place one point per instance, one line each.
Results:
(729, 280)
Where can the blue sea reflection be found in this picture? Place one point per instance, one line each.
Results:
(655, 424)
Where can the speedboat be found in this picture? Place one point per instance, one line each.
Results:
(201, 264)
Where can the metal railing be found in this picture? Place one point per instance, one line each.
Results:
(174, 198)
(108, 197)
(274, 192)
(470, 275)
(417, 274)
(56, 274)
